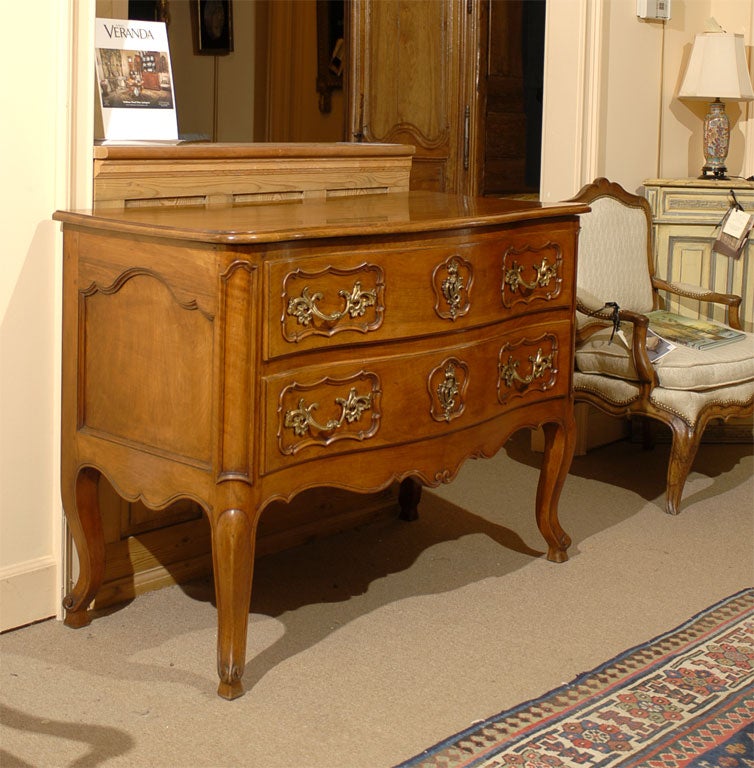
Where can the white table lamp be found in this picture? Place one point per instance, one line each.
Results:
(717, 70)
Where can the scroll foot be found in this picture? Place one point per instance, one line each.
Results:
(76, 619)
(230, 690)
(559, 553)
(682, 453)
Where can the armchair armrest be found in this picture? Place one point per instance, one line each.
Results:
(639, 324)
(729, 300)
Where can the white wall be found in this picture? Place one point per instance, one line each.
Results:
(46, 142)
(611, 81)
(631, 95)
(569, 95)
(33, 135)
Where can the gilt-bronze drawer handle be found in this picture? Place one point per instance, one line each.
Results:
(302, 421)
(543, 274)
(304, 307)
(540, 364)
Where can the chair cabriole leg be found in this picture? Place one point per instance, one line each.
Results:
(682, 453)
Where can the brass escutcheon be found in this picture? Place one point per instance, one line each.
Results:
(451, 287)
(448, 390)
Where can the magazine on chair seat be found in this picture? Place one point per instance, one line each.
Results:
(691, 332)
(657, 347)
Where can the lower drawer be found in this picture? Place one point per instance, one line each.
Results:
(418, 393)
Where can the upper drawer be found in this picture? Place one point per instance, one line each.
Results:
(337, 296)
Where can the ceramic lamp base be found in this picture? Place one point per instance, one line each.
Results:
(716, 142)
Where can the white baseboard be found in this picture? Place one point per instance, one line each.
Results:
(28, 592)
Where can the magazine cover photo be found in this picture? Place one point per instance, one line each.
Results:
(134, 79)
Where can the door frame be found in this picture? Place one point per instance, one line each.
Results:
(571, 114)
(75, 164)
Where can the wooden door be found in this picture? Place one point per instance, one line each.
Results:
(412, 71)
(287, 31)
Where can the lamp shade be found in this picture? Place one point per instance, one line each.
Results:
(717, 69)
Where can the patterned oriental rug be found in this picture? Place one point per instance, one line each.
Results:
(682, 700)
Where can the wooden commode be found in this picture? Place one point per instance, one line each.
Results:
(238, 354)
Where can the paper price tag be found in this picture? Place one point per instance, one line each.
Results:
(736, 223)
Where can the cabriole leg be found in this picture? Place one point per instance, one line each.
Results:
(682, 454)
(233, 557)
(560, 442)
(409, 496)
(85, 523)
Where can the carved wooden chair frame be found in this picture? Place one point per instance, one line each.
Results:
(685, 438)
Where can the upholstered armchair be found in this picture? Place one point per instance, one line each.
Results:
(684, 389)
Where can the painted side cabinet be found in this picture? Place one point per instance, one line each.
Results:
(686, 215)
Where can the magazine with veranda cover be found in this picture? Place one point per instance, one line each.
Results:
(135, 81)
(690, 332)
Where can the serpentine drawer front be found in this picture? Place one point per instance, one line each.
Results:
(409, 288)
(237, 355)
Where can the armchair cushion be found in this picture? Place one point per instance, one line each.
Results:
(683, 368)
(686, 404)
(689, 404)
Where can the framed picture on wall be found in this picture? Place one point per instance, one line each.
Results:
(212, 22)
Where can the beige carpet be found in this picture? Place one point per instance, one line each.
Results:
(367, 647)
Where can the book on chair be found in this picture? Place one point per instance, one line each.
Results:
(691, 332)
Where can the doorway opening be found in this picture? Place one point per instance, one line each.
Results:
(514, 85)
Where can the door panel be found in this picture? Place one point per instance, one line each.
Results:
(410, 71)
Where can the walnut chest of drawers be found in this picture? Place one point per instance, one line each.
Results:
(237, 355)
